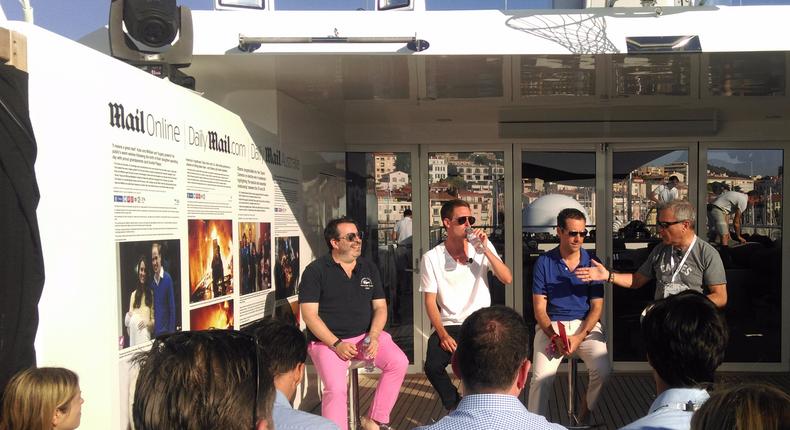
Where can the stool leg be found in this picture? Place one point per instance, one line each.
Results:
(353, 399)
(572, 371)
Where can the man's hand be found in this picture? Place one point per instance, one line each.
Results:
(373, 348)
(741, 239)
(596, 272)
(559, 346)
(346, 351)
(448, 343)
(575, 340)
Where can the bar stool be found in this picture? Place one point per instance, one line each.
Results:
(573, 418)
(354, 420)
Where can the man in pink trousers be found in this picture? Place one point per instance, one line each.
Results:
(342, 301)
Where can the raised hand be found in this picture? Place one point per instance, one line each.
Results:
(596, 272)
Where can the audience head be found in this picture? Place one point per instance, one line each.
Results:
(286, 352)
(213, 379)
(742, 407)
(47, 398)
(493, 351)
(685, 337)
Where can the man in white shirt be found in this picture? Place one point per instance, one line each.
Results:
(402, 230)
(665, 193)
(732, 203)
(454, 283)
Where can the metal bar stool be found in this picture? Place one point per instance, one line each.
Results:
(573, 417)
(354, 420)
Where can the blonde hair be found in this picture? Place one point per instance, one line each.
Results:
(744, 407)
(33, 395)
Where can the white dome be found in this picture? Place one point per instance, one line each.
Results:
(541, 215)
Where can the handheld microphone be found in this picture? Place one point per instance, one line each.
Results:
(471, 260)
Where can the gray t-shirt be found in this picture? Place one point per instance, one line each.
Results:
(702, 268)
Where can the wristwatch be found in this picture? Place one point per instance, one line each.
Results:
(337, 342)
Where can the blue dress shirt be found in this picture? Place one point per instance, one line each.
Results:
(491, 411)
(285, 417)
(668, 410)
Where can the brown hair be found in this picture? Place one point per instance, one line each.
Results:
(743, 407)
(33, 395)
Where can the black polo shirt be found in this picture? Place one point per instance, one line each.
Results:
(344, 304)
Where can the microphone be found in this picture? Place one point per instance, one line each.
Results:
(471, 260)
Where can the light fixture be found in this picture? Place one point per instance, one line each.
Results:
(662, 44)
(394, 4)
(157, 38)
(252, 43)
(239, 4)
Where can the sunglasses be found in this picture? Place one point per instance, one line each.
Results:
(572, 233)
(667, 224)
(174, 341)
(352, 236)
(461, 220)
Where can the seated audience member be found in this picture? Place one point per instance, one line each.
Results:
(286, 349)
(745, 406)
(492, 358)
(43, 398)
(685, 337)
(213, 379)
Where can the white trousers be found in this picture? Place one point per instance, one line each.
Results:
(592, 351)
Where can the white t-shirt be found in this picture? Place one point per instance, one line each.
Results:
(666, 194)
(460, 289)
(403, 229)
(729, 200)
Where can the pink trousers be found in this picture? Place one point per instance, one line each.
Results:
(333, 373)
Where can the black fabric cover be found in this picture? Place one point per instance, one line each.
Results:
(21, 261)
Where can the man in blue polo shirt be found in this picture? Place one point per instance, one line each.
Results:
(559, 296)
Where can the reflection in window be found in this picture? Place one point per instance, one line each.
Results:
(379, 191)
(557, 75)
(375, 77)
(551, 182)
(754, 266)
(640, 181)
(652, 75)
(747, 74)
(463, 77)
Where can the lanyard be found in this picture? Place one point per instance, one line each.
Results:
(672, 259)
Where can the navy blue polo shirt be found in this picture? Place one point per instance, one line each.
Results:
(568, 297)
(344, 304)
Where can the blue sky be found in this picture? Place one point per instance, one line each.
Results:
(75, 18)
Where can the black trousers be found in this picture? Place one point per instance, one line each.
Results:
(435, 363)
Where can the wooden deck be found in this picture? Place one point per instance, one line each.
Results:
(626, 397)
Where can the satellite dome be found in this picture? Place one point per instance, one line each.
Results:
(541, 215)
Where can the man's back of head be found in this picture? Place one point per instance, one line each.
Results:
(685, 337)
(203, 379)
(286, 346)
(493, 345)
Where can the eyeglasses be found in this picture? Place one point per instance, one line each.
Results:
(352, 236)
(461, 220)
(174, 341)
(667, 224)
(572, 233)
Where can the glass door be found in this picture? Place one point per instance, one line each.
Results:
(639, 177)
(380, 194)
(552, 178)
(481, 177)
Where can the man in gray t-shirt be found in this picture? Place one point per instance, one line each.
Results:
(682, 261)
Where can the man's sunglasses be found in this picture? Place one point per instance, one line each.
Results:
(461, 220)
(352, 236)
(667, 224)
(572, 233)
